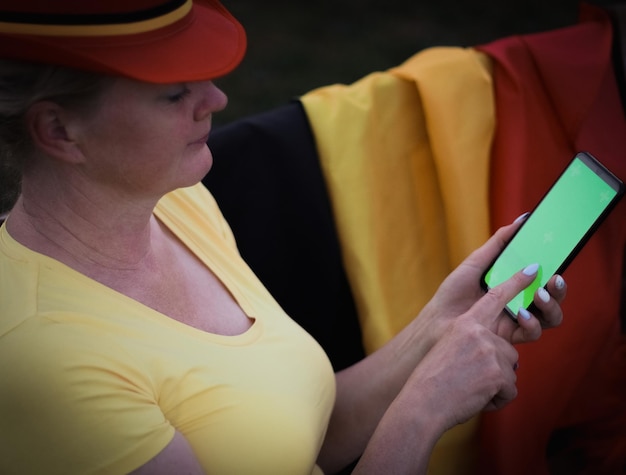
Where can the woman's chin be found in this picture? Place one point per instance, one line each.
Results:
(198, 166)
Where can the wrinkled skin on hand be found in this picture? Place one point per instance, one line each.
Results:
(468, 370)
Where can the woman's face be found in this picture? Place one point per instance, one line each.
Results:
(147, 139)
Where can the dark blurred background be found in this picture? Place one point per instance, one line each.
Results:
(295, 46)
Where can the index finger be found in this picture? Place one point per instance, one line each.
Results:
(489, 307)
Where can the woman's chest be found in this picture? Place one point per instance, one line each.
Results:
(252, 403)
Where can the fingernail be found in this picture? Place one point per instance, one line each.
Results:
(525, 314)
(521, 217)
(559, 283)
(531, 269)
(543, 294)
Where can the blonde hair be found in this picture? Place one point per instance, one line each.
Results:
(21, 85)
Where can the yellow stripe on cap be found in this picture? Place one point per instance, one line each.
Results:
(112, 29)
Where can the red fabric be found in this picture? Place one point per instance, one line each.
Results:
(555, 95)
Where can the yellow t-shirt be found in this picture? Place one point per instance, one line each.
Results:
(93, 382)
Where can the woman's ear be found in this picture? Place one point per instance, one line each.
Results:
(49, 126)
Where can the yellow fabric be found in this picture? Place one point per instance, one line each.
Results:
(94, 382)
(405, 154)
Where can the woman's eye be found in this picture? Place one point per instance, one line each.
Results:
(179, 96)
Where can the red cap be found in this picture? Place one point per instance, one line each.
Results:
(158, 41)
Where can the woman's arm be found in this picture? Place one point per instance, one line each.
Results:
(366, 391)
(177, 457)
(468, 370)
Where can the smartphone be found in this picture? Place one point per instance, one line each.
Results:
(558, 227)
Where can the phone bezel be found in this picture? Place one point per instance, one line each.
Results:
(608, 177)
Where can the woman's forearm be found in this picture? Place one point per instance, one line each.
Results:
(364, 393)
(401, 444)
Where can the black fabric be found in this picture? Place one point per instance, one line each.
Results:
(267, 180)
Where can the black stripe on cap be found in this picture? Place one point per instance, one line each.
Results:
(91, 19)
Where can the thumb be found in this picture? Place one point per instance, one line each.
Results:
(489, 307)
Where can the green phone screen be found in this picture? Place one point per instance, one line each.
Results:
(554, 229)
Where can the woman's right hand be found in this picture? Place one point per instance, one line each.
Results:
(469, 369)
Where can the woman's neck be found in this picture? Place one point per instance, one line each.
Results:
(82, 225)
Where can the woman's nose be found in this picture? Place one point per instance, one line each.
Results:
(212, 100)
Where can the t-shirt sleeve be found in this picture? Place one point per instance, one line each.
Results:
(69, 409)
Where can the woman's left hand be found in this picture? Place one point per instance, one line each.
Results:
(461, 289)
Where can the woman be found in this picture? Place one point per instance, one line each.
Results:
(140, 341)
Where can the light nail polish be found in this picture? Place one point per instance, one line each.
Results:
(531, 269)
(543, 295)
(559, 283)
(521, 217)
(525, 314)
